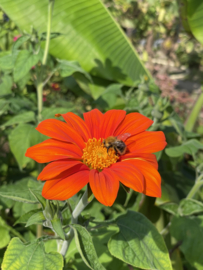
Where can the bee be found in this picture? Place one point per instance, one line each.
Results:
(117, 143)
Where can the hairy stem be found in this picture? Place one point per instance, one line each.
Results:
(74, 219)
(194, 189)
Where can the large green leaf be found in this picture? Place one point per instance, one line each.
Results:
(138, 243)
(32, 256)
(89, 36)
(189, 231)
(194, 17)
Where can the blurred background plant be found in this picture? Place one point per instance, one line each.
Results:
(92, 65)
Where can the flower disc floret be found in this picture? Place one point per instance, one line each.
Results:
(95, 155)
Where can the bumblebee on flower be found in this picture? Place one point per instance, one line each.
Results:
(102, 150)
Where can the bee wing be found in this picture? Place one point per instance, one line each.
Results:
(124, 136)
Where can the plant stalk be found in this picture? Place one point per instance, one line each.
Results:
(44, 60)
(194, 189)
(74, 220)
(40, 85)
(190, 123)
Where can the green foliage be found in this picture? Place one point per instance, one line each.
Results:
(86, 248)
(4, 231)
(190, 147)
(92, 65)
(189, 231)
(19, 256)
(22, 137)
(112, 56)
(189, 207)
(138, 243)
(194, 15)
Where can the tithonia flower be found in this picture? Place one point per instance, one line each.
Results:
(77, 155)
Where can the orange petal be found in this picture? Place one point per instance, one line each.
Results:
(111, 121)
(56, 167)
(151, 176)
(93, 120)
(128, 175)
(133, 123)
(51, 149)
(147, 142)
(104, 186)
(151, 158)
(59, 130)
(78, 125)
(65, 188)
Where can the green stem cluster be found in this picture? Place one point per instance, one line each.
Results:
(74, 220)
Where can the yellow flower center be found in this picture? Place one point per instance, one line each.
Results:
(95, 155)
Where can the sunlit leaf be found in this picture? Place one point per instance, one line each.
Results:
(89, 35)
(31, 256)
(138, 243)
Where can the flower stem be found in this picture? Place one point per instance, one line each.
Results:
(194, 189)
(74, 219)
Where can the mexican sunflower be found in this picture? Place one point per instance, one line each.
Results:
(77, 155)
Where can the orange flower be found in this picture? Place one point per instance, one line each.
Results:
(78, 156)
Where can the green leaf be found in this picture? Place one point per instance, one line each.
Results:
(190, 147)
(24, 218)
(90, 35)
(67, 68)
(19, 196)
(5, 85)
(19, 42)
(57, 226)
(31, 256)
(39, 198)
(194, 16)
(20, 191)
(24, 62)
(138, 243)
(189, 207)
(4, 232)
(170, 207)
(189, 230)
(86, 248)
(37, 218)
(109, 96)
(22, 137)
(21, 118)
(7, 61)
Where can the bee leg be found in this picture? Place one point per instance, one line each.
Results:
(115, 150)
